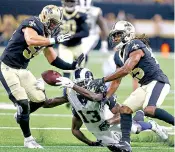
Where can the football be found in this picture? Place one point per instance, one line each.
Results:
(50, 76)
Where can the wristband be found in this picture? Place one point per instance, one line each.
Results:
(52, 40)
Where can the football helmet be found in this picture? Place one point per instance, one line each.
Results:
(121, 33)
(85, 4)
(51, 16)
(82, 77)
(69, 5)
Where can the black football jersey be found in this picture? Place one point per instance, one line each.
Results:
(17, 54)
(75, 23)
(147, 69)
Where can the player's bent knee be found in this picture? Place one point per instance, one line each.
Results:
(149, 110)
(22, 110)
(125, 109)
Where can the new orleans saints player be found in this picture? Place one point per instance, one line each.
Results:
(29, 39)
(74, 21)
(134, 56)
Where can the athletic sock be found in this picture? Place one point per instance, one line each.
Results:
(126, 123)
(164, 115)
(24, 125)
(144, 125)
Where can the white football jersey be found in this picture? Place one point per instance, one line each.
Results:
(89, 112)
(92, 16)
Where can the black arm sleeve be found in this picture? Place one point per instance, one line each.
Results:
(59, 63)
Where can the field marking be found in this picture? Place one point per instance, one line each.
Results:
(61, 146)
(169, 129)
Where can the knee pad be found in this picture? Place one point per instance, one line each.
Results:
(22, 110)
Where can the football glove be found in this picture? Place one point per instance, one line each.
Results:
(96, 83)
(62, 37)
(76, 63)
(64, 82)
(104, 126)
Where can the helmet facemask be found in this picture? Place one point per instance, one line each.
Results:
(121, 34)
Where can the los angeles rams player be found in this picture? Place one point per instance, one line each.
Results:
(74, 21)
(97, 26)
(87, 107)
(30, 38)
(135, 57)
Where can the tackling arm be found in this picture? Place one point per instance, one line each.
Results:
(130, 63)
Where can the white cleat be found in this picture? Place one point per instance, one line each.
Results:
(31, 143)
(161, 132)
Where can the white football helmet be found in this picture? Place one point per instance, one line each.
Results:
(51, 16)
(85, 4)
(121, 33)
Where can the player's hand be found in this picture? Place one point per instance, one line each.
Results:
(40, 84)
(64, 82)
(76, 63)
(63, 37)
(96, 83)
(104, 126)
(96, 143)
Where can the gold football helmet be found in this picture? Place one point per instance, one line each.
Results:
(51, 16)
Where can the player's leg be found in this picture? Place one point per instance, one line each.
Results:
(131, 104)
(17, 94)
(36, 95)
(156, 93)
(88, 44)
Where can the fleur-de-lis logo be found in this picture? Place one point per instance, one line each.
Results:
(32, 23)
(135, 46)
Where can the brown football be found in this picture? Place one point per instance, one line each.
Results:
(50, 76)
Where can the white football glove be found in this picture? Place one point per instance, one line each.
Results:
(40, 85)
(65, 82)
(63, 37)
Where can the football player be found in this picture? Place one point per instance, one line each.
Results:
(97, 26)
(74, 21)
(87, 107)
(134, 56)
(33, 36)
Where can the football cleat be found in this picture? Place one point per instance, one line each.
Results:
(139, 116)
(122, 146)
(31, 143)
(161, 132)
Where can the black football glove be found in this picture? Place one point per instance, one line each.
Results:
(104, 126)
(96, 143)
(76, 63)
(96, 83)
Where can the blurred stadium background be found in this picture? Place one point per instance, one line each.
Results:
(51, 127)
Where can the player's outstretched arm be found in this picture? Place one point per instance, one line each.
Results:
(54, 60)
(66, 82)
(130, 63)
(76, 125)
(50, 103)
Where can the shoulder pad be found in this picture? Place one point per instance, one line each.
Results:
(135, 45)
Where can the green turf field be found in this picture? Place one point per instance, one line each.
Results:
(51, 127)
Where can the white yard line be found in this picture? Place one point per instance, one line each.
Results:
(169, 129)
(87, 147)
